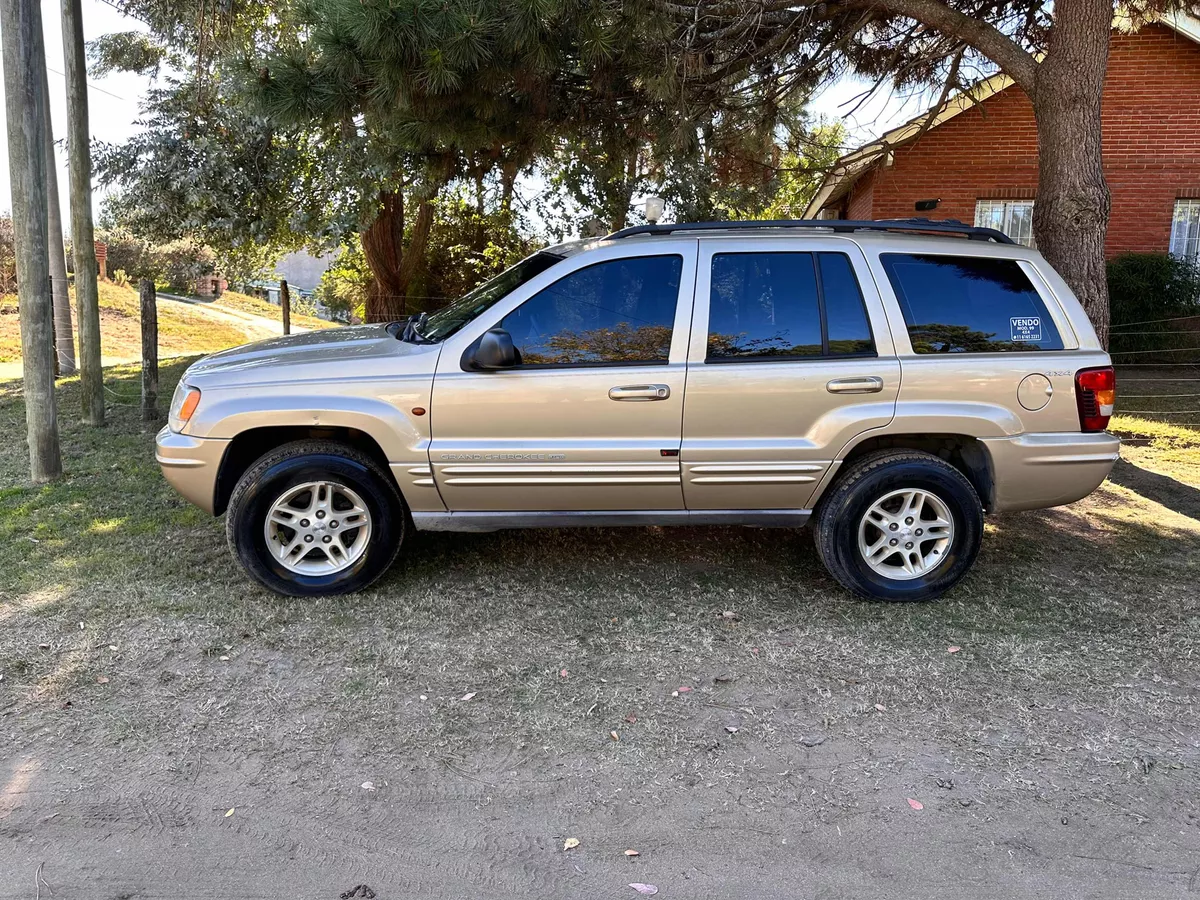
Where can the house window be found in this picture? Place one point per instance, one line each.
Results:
(1185, 230)
(1013, 217)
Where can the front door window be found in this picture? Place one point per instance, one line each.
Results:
(619, 312)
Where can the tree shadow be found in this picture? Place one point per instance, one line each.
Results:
(1169, 492)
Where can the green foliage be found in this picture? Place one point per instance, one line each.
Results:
(175, 265)
(203, 169)
(343, 287)
(467, 247)
(1146, 291)
(127, 51)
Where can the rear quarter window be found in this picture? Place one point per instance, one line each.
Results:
(966, 304)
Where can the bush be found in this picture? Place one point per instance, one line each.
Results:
(1146, 292)
(120, 279)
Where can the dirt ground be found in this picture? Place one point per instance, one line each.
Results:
(707, 697)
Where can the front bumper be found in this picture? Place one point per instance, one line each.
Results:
(191, 465)
(1034, 471)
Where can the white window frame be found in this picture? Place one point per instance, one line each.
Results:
(1185, 230)
(1005, 216)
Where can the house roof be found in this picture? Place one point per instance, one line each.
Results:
(847, 170)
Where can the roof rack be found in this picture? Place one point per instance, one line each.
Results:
(940, 226)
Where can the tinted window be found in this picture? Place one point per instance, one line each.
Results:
(770, 305)
(612, 312)
(961, 304)
(845, 314)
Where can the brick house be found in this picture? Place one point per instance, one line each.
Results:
(978, 158)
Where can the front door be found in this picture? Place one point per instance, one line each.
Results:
(790, 359)
(591, 417)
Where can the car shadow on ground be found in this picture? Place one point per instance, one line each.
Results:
(1170, 492)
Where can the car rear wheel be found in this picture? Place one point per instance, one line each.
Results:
(899, 525)
(316, 517)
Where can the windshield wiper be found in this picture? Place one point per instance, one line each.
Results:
(412, 329)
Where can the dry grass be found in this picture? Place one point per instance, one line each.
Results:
(1074, 692)
(255, 306)
(180, 330)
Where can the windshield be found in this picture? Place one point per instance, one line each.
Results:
(446, 322)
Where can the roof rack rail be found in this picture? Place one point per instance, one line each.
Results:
(939, 226)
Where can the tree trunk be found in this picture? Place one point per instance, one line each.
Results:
(64, 337)
(1070, 217)
(149, 310)
(285, 304)
(394, 263)
(24, 64)
(83, 238)
(383, 246)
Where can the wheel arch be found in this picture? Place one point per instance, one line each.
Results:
(252, 444)
(966, 453)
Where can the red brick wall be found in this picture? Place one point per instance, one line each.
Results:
(1151, 148)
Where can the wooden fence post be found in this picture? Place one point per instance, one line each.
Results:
(24, 62)
(83, 238)
(149, 304)
(285, 301)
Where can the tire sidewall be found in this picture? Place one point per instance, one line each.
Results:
(387, 523)
(951, 488)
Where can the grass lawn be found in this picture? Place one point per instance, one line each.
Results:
(259, 307)
(705, 696)
(180, 329)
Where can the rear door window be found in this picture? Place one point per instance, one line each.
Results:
(964, 304)
(785, 306)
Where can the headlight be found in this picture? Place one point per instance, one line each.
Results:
(183, 405)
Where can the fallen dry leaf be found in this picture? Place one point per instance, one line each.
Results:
(915, 804)
(730, 614)
(224, 659)
(368, 785)
(643, 888)
(953, 649)
(631, 718)
(732, 729)
(632, 853)
(881, 707)
(465, 697)
(614, 735)
(230, 813)
(570, 843)
(101, 679)
(683, 689)
(562, 673)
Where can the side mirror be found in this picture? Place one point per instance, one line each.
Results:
(495, 351)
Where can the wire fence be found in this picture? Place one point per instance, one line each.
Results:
(1158, 369)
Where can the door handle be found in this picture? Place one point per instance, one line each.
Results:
(640, 392)
(863, 384)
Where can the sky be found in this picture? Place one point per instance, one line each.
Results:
(114, 100)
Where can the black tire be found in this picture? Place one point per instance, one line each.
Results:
(295, 464)
(841, 510)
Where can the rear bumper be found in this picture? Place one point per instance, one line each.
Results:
(1033, 471)
(190, 465)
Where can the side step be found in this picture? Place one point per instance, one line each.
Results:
(487, 520)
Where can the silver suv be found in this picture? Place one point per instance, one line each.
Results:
(890, 381)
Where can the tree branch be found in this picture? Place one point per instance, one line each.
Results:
(1014, 60)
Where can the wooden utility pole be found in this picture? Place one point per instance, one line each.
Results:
(64, 338)
(149, 304)
(285, 302)
(83, 236)
(24, 63)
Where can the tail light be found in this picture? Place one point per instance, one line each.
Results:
(1095, 393)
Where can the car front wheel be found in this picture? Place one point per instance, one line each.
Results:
(316, 517)
(899, 525)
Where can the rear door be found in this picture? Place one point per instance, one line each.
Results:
(592, 417)
(790, 359)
